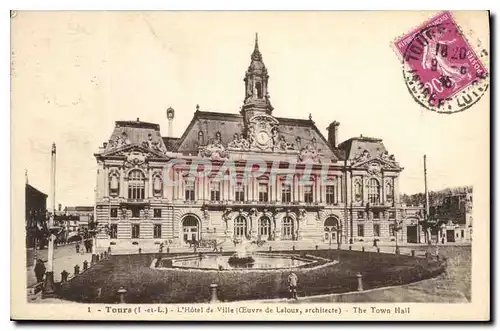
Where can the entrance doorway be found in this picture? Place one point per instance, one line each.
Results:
(450, 236)
(331, 229)
(190, 229)
(287, 229)
(240, 227)
(264, 228)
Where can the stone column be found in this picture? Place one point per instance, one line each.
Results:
(180, 187)
(254, 225)
(122, 183)
(106, 181)
(255, 189)
(231, 187)
(338, 189)
(270, 188)
(382, 189)
(278, 188)
(166, 185)
(230, 225)
(317, 188)
(277, 222)
(149, 183)
(365, 189)
(396, 189)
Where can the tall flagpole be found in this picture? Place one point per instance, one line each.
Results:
(427, 219)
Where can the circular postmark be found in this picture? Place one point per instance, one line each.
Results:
(441, 71)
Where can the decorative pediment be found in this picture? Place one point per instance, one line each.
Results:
(136, 159)
(375, 165)
(125, 151)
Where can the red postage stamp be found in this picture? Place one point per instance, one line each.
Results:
(442, 71)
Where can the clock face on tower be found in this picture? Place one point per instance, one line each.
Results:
(262, 138)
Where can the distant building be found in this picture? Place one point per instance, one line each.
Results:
(453, 218)
(35, 211)
(83, 213)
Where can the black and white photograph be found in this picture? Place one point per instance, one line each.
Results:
(250, 165)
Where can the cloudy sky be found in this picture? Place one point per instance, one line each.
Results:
(74, 74)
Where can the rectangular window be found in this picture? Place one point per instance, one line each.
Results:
(157, 231)
(308, 193)
(263, 192)
(215, 191)
(113, 231)
(136, 212)
(376, 215)
(286, 193)
(114, 212)
(239, 193)
(462, 233)
(376, 230)
(135, 231)
(189, 190)
(330, 194)
(392, 215)
(360, 215)
(157, 213)
(361, 230)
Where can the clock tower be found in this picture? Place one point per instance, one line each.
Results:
(256, 94)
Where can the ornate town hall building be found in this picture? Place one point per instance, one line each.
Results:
(281, 179)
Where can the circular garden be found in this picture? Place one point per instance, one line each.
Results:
(334, 271)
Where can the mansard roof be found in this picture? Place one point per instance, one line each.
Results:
(227, 124)
(354, 147)
(135, 133)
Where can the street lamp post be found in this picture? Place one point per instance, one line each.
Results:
(397, 228)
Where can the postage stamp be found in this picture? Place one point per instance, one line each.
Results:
(442, 72)
(140, 204)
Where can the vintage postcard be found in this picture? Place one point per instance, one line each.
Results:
(318, 166)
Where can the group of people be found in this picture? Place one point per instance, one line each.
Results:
(87, 244)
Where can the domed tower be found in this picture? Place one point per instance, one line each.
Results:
(256, 93)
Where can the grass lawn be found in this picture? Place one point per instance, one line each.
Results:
(146, 285)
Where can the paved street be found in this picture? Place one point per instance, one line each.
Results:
(65, 258)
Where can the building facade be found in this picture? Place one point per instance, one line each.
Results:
(248, 175)
(35, 213)
(453, 218)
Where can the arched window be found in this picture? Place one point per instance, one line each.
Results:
(373, 191)
(287, 228)
(200, 138)
(136, 184)
(258, 86)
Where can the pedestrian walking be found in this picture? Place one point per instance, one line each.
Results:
(77, 246)
(292, 283)
(39, 270)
